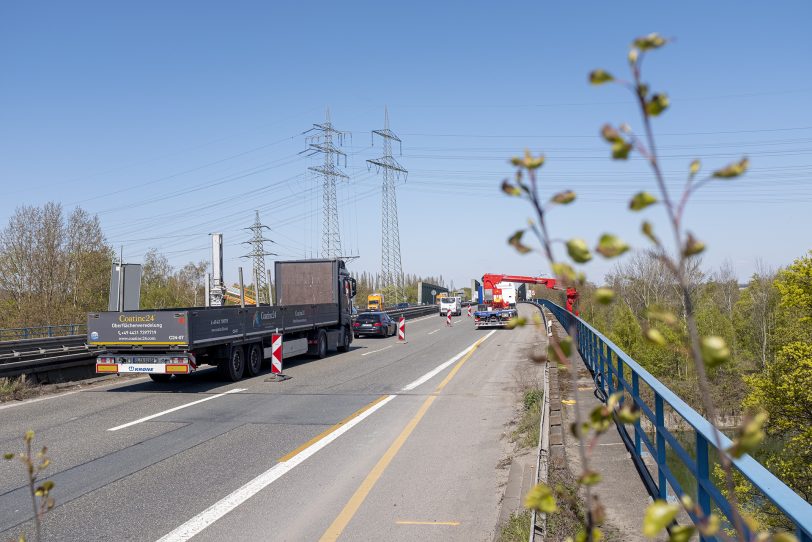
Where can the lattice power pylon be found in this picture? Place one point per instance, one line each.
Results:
(321, 142)
(391, 269)
(257, 256)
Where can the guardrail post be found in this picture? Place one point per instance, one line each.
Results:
(50, 331)
(702, 475)
(638, 448)
(659, 414)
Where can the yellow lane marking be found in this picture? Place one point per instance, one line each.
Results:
(568, 401)
(449, 523)
(587, 388)
(333, 428)
(343, 519)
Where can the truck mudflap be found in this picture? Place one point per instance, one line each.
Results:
(150, 364)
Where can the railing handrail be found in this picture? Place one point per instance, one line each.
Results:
(789, 502)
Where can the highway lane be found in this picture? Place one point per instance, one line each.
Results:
(144, 481)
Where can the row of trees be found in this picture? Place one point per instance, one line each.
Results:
(369, 283)
(54, 268)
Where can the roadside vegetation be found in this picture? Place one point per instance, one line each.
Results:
(526, 434)
(16, 389)
(517, 528)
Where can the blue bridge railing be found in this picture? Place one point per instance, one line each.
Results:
(613, 370)
(40, 332)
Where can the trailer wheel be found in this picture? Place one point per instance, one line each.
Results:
(322, 350)
(253, 365)
(233, 367)
(160, 378)
(345, 344)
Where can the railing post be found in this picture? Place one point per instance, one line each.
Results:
(607, 375)
(637, 428)
(602, 368)
(50, 331)
(620, 385)
(659, 414)
(702, 475)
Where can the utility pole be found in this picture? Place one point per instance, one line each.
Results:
(258, 254)
(321, 141)
(391, 270)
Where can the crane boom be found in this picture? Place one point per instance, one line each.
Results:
(491, 291)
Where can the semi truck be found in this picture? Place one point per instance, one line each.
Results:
(313, 315)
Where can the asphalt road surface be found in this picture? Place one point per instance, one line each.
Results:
(388, 441)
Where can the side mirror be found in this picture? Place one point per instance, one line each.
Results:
(353, 287)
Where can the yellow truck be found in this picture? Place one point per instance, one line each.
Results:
(375, 302)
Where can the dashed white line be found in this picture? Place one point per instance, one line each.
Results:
(381, 350)
(152, 416)
(435, 331)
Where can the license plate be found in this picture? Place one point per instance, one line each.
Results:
(366, 325)
(146, 359)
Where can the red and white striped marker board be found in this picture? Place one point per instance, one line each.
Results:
(276, 353)
(448, 318)
(470, 313)
(402, 329)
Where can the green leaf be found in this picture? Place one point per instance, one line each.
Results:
(714, 350)
(621, 150)
(695, 166)
(599, 77)
(783, 537)
(29, 436)
(628, 414)
(641, 200)
(693, 246)
(749, 436)
(563, 198)
(604, 296)
(657, 104)
(8, 456)
(681, 533)
(48, 485)
(610, 134)
(732, 170)
(578, 250)
(710, 526)
(652, 41)
(611, 246)
(566, 345)
(564, 271)
(515, 241)
(589, 478)
(648, 231)
(510, 189)
(541, 499)
(663, 316)
(528, 161)
(655, 336)
(658, 516)
(516, 322)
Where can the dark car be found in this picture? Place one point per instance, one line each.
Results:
(374, 323)
(403, 305)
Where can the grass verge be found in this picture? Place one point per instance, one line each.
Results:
(16, 389)
(526, 434)
(517, 528)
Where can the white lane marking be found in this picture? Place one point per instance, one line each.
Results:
(426, 377)
(147, 418)
(435, 331)
(242, 494)
(381, 350)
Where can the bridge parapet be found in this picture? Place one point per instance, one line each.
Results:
(613, 370)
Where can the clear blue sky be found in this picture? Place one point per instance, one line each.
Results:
(172, 120)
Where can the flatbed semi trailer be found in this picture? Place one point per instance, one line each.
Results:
(313, 316)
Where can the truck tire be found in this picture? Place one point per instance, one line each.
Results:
(253, 360)
(321, 353)
(160, 378)
(232, 368)
(345, 344)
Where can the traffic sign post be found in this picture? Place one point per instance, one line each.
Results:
(402, 330)
(276, 359)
